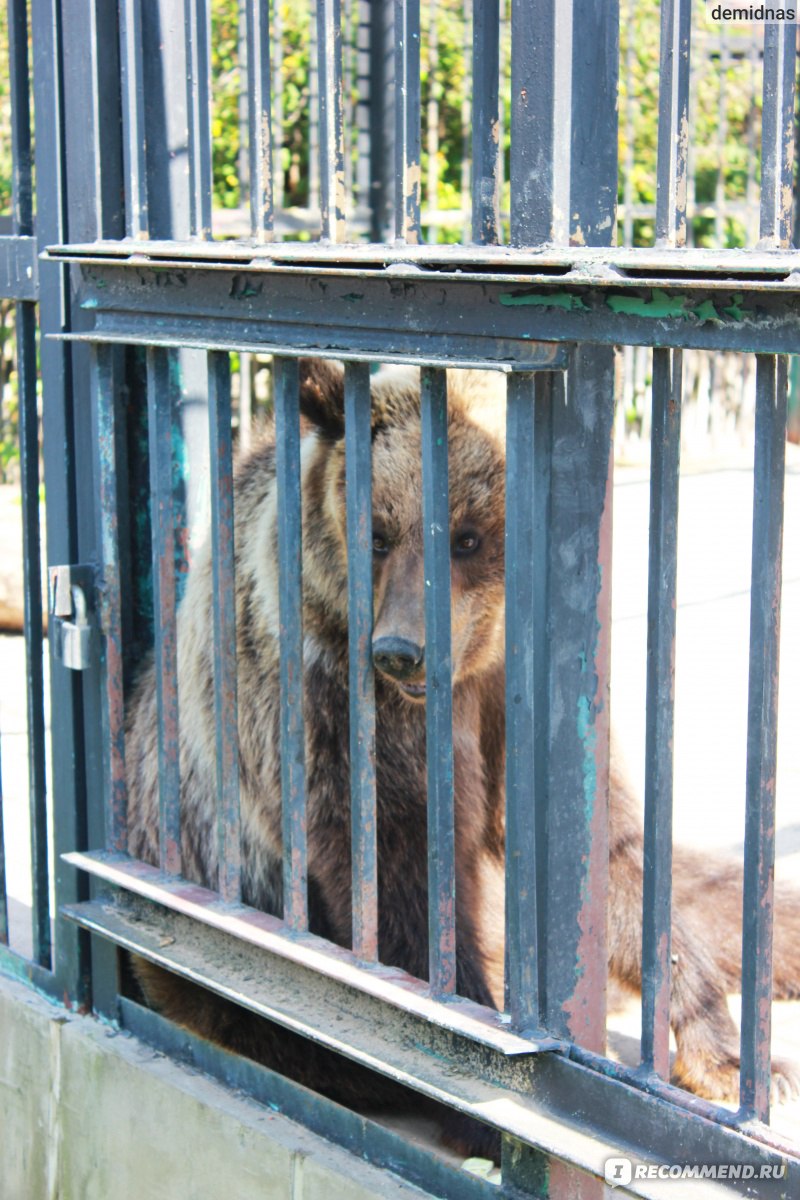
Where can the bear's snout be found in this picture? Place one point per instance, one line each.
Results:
(398, 657)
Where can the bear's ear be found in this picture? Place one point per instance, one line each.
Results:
(322, 394)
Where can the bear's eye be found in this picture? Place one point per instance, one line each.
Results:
(465, 543)
(380, 544)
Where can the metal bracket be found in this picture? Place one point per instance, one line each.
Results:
(70, 591)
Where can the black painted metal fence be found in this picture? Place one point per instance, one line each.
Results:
(128, 262)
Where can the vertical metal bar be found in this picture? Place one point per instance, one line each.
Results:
(331, 126)
(721, 139)
(486, 144)
(259, 118)
(777, 134)
(290, 599)
(538, 106)
(161, 421)
(407, 151)
(223, 551)
(663, 569)
(277, 105)
(522, 985)
(31, 543)
(134, 142)
(21, 162)
(777, 154)
(22, 217)
(362, 677)
(762, 719)
(432, 116)
(363, 84)
(103, 392)
(673, 123)
(71, 958)
(313, 111)
(198, 107)
(466, 118)
(438, 683)
(379, 133)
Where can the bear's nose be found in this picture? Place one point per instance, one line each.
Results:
(397, 657)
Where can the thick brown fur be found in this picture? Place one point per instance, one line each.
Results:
(707, 917)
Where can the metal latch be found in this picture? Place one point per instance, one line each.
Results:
(69, 611)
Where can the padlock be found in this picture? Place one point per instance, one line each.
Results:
(76, 635)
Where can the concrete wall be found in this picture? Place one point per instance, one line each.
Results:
(87, 1113)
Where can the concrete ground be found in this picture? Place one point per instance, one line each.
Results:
(711, 687)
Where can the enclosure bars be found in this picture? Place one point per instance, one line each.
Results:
(673, 147)
(226, 715)
(438, 683)
(777, 150)
(331, 129)
(358, 440)
(22, 226)
(107, 437)
(134, 143)
(256, 168)
(486, 140)
(161, 403)
(259, 120)
(407, 146)
(522, 767)
(290, 591)
(198, 82)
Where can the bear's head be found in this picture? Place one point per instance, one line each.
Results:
(476, 411)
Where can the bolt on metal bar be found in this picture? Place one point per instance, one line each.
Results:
(331, 120)
(438, 683)
(673, 123)
(259, 120)
(777, 135)
(362, 676)
(225, 675)
(522, 982)
(407, 148)
(197, 34)
(161, 404)
(663, 569)
(290, 606)
(486, 142)
(762, 723)
(134, 142)
(104, 398)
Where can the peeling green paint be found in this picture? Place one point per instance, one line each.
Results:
(567, 300)
(659, 306)
(734, 309)
(707, 312)
(353, 296)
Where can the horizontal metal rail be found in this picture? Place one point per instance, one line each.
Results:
(388, 984)
(545, 1100)
(433, 317)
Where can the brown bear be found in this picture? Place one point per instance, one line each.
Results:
(707, 916)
